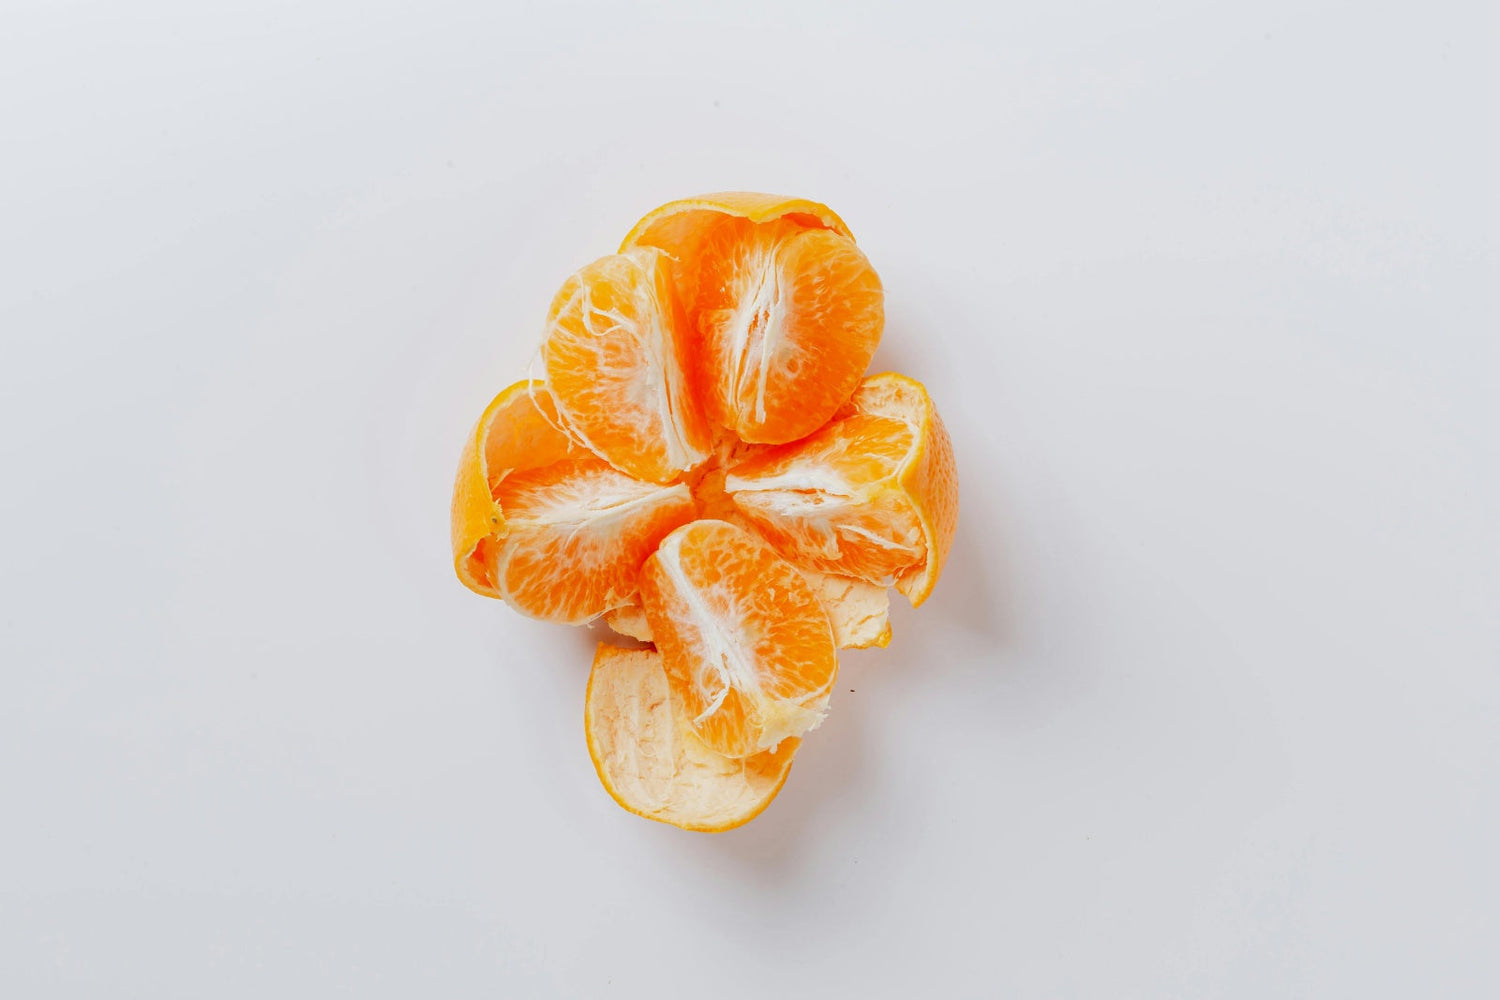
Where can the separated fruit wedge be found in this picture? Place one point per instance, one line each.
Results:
(858, 612)
(786, 310)
(872, 495)
(577, 532)
(518, 431)
(747, 646)
(680, 227)
(616, 355)
(654, 765)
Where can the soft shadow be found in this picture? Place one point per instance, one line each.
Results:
(828, 777)
(973, 592)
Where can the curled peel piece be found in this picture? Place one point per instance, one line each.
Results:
(858, 611)
(650, 761)
(630, 621)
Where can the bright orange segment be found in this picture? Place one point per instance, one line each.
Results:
(747, 645)
(649, 759)
(615, 355)
(788, 319)
(518, 431)
(673, 226)
(929, 475)
(858, 612)
(828, 501)
(680, 227)
(577, 532)
(873, 495)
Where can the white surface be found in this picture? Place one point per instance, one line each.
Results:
(1205, 705)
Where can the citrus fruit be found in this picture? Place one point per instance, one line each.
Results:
(518, 431)
(858, 612)
(872, 495)
(679, 227)
(577, 532)
(747, 645)
(787, 320)
(786, 310)
(704, 464)
(676, 226)
(616, 357)
(651, 762)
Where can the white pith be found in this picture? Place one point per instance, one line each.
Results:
(721, 654)
(602, 508)
(659, 390)
(756, 327)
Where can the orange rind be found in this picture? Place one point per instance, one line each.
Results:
(649, 760)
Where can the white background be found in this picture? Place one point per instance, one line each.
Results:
(1205, 705)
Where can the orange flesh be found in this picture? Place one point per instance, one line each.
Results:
(615, 357)
(829, 501)
(578, 532)
(746, 644)
(518, 431)
(787, 320)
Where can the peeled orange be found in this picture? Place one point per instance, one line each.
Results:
(704, 465)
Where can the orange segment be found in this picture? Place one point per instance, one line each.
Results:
(615, 355)
(872, 495)
(746, 644)
(577, 532)
(688, 214)
(858, 612)
(787, 307)
(679, 227)
(831, 502)
(787, 319)
(652, 764)
(518, 431)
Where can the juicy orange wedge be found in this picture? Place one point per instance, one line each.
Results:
(651, 762)
(787, 319)
(680, 227)
(616, 361)
(746, 643)
(577, 532)
(518, 431)
(786, 310)
(873, 495)
(858, 612)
